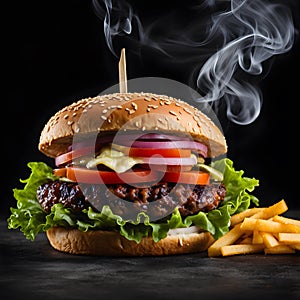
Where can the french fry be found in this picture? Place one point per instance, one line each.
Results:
(249, 224)
(290, 238)
(271, 226)
(280, 249)
(271, 211)
(246, 240)
(241, 249)
(259, 230)
(227, 239)
(269, 240)
(257, 237)
(238, 218)
(285, 220)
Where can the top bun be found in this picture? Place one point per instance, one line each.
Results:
(129, 111)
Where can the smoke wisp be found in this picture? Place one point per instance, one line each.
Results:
(229, 46)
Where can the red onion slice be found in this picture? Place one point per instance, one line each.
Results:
(192, 145)
(148, 140)
(106, 139)
(160, 136)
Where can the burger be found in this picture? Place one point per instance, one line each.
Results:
(134, 174)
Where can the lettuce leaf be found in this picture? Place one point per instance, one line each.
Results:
(29, 217)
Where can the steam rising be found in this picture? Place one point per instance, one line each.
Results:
(260, 30)
(117, 19)
(229, 49)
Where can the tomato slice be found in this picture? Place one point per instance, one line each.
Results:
(66, 158)
(190, 177)
(148, 152)
(84, 175)
(61, 172)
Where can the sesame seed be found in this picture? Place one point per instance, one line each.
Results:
(104, 111)
(103, 117)
(130, 111)
(147, 99)
(152, 106)
(172, 113)
(134, 105)
(186, 110)
(70, 122)
(66, 116)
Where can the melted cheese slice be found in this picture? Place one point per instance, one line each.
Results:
(115, 160)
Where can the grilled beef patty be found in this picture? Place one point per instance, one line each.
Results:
(157, 201)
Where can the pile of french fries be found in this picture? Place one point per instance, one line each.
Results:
(259, 229)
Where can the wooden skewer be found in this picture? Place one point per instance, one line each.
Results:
(122, 72)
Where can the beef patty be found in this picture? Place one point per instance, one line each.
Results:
(157, 201)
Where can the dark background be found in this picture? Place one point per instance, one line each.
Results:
(55, 53)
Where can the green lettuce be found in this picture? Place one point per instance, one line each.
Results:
(30, 218)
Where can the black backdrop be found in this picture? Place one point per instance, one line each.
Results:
(56, 53)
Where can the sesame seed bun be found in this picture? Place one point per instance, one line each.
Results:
(111, 243)
(136, 111)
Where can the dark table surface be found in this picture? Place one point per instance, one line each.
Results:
(37, 271)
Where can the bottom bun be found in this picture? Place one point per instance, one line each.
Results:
(110, 243)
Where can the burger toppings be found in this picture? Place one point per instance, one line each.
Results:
(151, 160)
(123, 152)
(154, 167)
